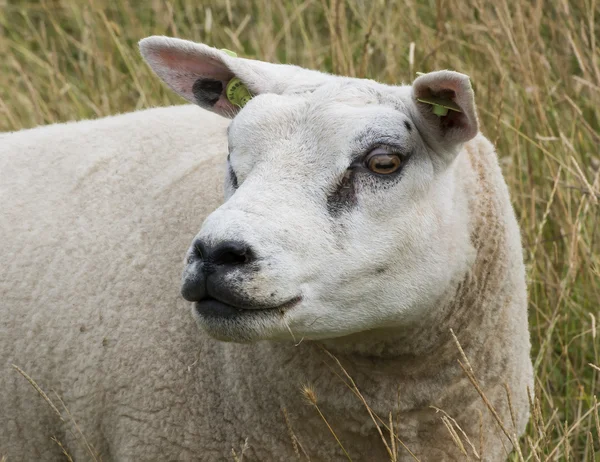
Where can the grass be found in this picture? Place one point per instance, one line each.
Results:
(535, 68)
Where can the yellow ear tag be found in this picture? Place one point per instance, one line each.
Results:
(229, 52)
(236, 91)
(440, 106)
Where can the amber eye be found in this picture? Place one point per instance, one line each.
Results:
(382, 162)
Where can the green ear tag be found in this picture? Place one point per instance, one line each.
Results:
(440, 110)
(229, 52)
(441, 106)
(237, 93)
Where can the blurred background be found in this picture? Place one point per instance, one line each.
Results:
(535, 67)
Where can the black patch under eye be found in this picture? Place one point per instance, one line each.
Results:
(408, 125)
(233, 178)
(344, 197)
(207, 91)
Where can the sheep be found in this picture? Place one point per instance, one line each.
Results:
(366, 233)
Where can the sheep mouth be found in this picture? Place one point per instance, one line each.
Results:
(210, 307)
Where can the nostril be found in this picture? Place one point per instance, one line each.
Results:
(226, 253)
(230, 258)
(199, 250)
(232, 253)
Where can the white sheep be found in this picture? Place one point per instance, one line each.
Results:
(358, 220)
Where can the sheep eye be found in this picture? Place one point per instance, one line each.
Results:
(382, 162)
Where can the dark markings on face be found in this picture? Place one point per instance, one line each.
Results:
(344, 197)
(207, 91)
(233, 178)
(408, 125)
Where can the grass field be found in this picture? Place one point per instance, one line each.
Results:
(535, 66)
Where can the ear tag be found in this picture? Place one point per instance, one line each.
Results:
(229, 52)
(441, 106)
(236, 91)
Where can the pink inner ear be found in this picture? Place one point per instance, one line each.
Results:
(182, 70)
(448, 86)
(225, 107)
(453, 120)
(202, 66)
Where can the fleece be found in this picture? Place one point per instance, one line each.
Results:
(95, 220)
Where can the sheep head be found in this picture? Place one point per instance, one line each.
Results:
(343, 213)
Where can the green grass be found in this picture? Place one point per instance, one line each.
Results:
(535, 68)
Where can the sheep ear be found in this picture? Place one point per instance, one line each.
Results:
(445, 107)
(201, 74)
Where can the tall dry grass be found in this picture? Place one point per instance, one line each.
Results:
(536, 72)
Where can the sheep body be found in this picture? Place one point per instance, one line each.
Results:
(95, 218)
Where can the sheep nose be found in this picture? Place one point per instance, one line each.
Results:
(206, 259)
(230, 253)
(223, 254)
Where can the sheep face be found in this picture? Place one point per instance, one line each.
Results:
(342, 213)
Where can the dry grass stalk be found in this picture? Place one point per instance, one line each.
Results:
(368, 408)
(240, 458)
(467, 368)
(62, 448)
(510, 407)
(392, 439)
(590, 448)
(471, 375)
(596, 418)
(595, 367)
(453, 423)
(569, 429)
(39, 390)
(455, 436)
(88, 446)
(533, 452)
(45, 397)
(311, 397)
(295, 441)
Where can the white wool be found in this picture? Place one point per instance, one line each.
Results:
(97, 218)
